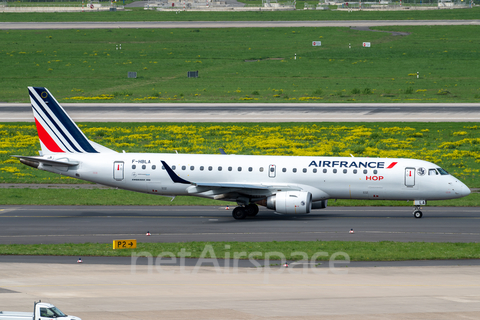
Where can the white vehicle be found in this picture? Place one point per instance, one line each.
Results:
(41, 311)
(286, 184)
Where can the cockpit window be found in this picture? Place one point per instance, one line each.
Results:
(432, 172)
(443, 172)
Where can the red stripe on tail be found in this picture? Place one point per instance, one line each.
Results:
(392, 165)
(47, 141)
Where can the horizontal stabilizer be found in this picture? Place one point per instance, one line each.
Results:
(46, 161)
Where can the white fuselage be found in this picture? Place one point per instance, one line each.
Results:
(323, 177)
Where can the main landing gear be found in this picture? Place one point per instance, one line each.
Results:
(417, 213)
(240, 213)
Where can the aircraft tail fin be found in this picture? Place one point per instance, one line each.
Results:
(57, 132)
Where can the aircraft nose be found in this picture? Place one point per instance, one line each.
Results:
(465, 190)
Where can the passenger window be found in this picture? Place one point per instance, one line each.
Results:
(304, 170)
(365, 171)
(294, 170)
(219, 168)
(239, 168)
(432, 172)
(334, 170)
(144, 167)
(314, 170)
(375, 171)
(163, 167)
(192, 168)
(154, 167)
(229, 168)
(324, 170)
(210, 168)
(201, 168)
(344, 170)
(250, 169)
(174, 167)
(134, 166)
(284, 170)
(355, 171)
(261, 169)
(184, 167)
(272, 169)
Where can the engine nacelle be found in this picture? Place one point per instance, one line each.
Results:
(296, 202)
(322, 204)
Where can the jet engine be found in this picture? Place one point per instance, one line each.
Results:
(296, 202)
(322, 204)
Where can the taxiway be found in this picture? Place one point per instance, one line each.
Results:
(80, 224)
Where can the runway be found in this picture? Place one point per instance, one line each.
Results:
(255, 112)
(227, 24)
(80, 224)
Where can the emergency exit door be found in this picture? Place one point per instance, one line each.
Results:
(409, 177)
(118, 170)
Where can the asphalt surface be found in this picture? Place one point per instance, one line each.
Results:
(227, 24)
(255, 112)
(80, 224)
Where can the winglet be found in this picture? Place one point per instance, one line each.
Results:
(175, 178)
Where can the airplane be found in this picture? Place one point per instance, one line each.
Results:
(286, 184)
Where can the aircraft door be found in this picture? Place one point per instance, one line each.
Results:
(118, 172)
(410, 177)
(272, 171)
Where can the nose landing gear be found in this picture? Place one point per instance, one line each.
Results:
(417, 213)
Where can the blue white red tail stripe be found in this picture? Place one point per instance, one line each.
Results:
(56, 130)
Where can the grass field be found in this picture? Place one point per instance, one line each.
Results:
(241, 65)
(453, 146)
(357, 250)
(138, 14)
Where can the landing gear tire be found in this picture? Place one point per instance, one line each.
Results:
(417, 214)
(239, 213)
(252, 210)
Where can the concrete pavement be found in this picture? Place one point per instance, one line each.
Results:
(255, 112)
(113, 292)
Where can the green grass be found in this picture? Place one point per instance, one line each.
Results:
(453, 146)
(358, 251)
(139, 14)
(102, 197)
(81, 65)
(113, 197)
